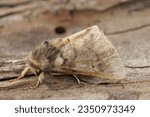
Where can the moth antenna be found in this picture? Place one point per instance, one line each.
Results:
(77, 79)
(24, 72)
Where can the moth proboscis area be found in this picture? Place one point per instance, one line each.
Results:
(86, 53)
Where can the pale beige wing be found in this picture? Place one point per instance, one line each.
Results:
(89, 51)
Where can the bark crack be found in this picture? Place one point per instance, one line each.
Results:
(141, 67)
(129, 30)
(9, 5)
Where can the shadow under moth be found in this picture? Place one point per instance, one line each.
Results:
(87, 55)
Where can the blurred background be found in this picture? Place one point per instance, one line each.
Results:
(26, 23)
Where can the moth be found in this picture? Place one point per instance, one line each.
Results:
(87, 55)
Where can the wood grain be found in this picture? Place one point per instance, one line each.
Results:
(27, 24)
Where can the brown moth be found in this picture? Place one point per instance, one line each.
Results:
(87, 55)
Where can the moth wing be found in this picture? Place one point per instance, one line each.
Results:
(89, 52)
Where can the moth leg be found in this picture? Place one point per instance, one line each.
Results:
(24, 72)
(76, 78)
(40, 79)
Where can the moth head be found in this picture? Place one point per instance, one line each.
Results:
(37, 57)
(43, 57)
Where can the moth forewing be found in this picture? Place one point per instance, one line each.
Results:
(90, 53)
(86, 53)
(64, 41)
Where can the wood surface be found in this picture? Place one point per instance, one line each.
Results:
(24, 24)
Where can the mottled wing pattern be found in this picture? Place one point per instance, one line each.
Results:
(89, 52)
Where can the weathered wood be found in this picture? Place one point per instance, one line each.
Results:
(127, 26)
